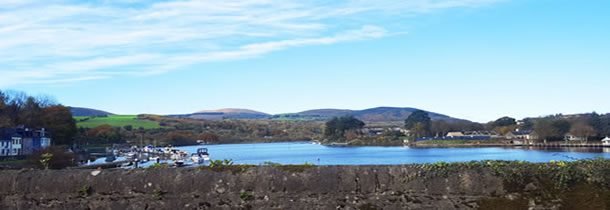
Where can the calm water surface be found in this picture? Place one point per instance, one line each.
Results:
(305, 152)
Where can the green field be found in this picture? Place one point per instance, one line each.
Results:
(116, 121)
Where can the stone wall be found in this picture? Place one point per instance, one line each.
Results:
(293, 187)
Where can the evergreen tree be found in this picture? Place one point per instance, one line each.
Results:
(419, 123)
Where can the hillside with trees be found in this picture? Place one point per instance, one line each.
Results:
(341, 128)
(555, 127)
(186, 131)
(379, 115)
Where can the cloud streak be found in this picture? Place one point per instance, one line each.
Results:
(62, 41)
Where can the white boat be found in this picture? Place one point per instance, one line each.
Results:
(170, 150)
(149, 149)
(197, 159)
(179, 163)
(203, 153)
(201, 156)
(131, 155)
(176, 156)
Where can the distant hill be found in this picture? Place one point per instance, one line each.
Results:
(86, 112)
(229, 113)
(379, 114)
(382, 114)
(327, 112)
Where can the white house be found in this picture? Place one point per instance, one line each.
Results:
(10, 144)
(570, 137)
(22, 141)
(45, 141)
(5, 147)
(521, 135)
(16, 145)
(606, 141)
(455, 134)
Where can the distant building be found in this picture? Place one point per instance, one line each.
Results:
(376, 131)
(485, 134)
(606, 141)
(473, 134)
(402, 130)
(22, 141)
(570, 137)
(521, 135)
(455, 134)
(466, 135)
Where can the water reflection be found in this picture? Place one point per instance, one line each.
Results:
(305, 152)
(568, 149)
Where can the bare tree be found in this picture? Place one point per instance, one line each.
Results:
(582, 130)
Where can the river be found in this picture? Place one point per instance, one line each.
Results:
(306, 152)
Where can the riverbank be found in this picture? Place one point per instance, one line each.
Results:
(428, 143)
(358, 142)
(462, 143)
(471, 185)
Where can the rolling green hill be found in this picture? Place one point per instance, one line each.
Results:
(116, 121)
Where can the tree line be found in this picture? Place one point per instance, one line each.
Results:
(419, 124)
(20, 109)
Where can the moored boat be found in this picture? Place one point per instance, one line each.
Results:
(201, 156)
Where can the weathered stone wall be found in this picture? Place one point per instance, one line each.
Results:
(267, 187)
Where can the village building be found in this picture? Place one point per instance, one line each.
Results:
(521, 135)
(606, 141)
(455, 134)
(484, 134)
(473, 134)
(22, 141)
(571, 137)
(377, 131)
(465, 135)
(372, 131)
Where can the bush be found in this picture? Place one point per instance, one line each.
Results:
(52, 158)
(221, 163)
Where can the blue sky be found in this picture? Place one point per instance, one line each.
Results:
(472, 59)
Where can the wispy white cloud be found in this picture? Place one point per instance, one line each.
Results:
(58, 41)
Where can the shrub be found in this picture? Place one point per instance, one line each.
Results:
(246, 196)
(221, 163)
(52, 158)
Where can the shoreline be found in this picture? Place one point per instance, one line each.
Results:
(458, 145)
(359, 143)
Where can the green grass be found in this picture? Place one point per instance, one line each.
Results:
(116, 121)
